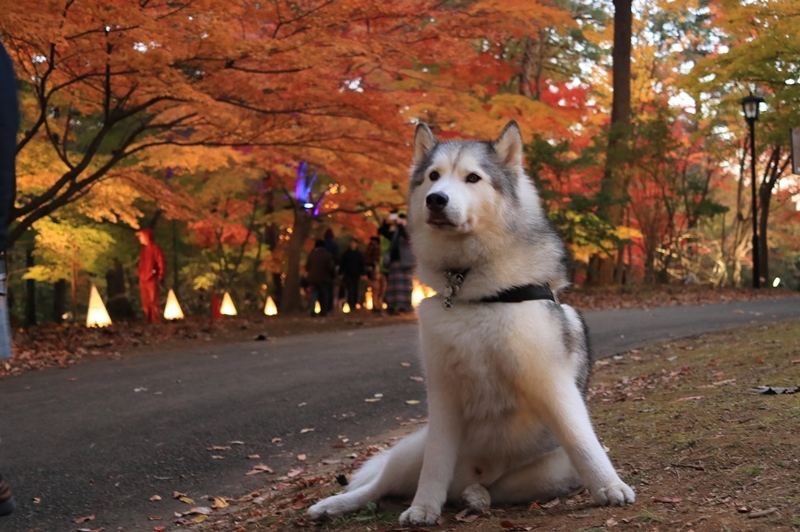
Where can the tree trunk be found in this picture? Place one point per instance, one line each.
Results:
(765, 198)
(119, 306)
(614, 185)
(30, 292)
(59, 300)
(291, 299)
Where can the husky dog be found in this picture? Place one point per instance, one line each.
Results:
(507, 366)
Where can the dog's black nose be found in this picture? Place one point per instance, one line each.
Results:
(436, 201)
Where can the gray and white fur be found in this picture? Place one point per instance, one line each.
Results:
(506, 382)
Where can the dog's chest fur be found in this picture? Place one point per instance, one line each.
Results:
(493, 360)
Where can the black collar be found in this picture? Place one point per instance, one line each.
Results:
(518, 294)
(515, 294)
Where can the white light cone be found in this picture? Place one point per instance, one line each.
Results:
(227, 308)
(97, 316)
(172, 310)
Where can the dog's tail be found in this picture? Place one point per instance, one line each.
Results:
(369, 471)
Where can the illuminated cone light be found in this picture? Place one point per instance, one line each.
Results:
(97, 316)
(346, 308)
(227, 308)
(173, 311)
(317, 308)
(417, 296)
(368, 297)
(270, 309)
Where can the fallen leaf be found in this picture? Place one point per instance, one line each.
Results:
(155, 498)
(217, 457)
(154, 518)
(36, 500)
(417, 379)
(187, 500)
(260, 468)
(201, 510)
(276, 440)
(372, 399)
(301, 457)
(405, 364)
(551, 504)
(219, 502)
(299, 502)
(464, 516)
(137, 390)
(304, 431)
(199, 519)
(294, 472)
(219, 448)
(80, 520)
(301, 405)
(253, 456)
(692, 398)
(412, 402)
(237, 442)
(159, 528)
(762, 513)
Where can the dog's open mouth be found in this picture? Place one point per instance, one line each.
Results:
(440, 220)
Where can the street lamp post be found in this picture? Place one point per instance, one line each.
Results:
(750, 105)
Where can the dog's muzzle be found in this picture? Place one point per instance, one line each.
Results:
(436, 203)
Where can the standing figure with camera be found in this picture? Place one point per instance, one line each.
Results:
(9, 123)
(400, 261)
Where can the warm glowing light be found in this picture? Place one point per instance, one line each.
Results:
(270, 309)
(317, 308)
(368, 296)
(346, 308)
(173, 311)
(97, 316)
(417, 296)
(227, 308)
(776, 282)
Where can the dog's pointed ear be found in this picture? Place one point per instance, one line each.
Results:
(509, 145)
(423, 142)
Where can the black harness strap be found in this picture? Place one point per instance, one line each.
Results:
(519, 294)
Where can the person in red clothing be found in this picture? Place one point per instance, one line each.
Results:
(151, 272)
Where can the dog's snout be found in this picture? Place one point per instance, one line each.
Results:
(436, 201)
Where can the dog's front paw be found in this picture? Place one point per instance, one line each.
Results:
(616, 494)
(476, 498)
(420, 516)
(329, 507)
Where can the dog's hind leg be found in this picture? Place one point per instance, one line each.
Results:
(395, 472)
(549, 476)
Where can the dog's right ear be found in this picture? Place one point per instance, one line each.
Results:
(423, 142)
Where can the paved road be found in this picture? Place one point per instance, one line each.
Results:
(101, 438)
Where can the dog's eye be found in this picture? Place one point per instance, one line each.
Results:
(434, 175)
(473, 178)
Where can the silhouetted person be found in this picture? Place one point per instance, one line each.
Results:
(352, 268)
(9, 123)
(321, 270)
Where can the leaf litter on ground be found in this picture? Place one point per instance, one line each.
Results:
(693, 467)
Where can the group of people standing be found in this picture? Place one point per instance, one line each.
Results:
(386, 263)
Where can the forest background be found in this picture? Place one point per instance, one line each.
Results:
(239, 131)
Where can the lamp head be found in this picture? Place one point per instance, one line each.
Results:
(751, 105)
